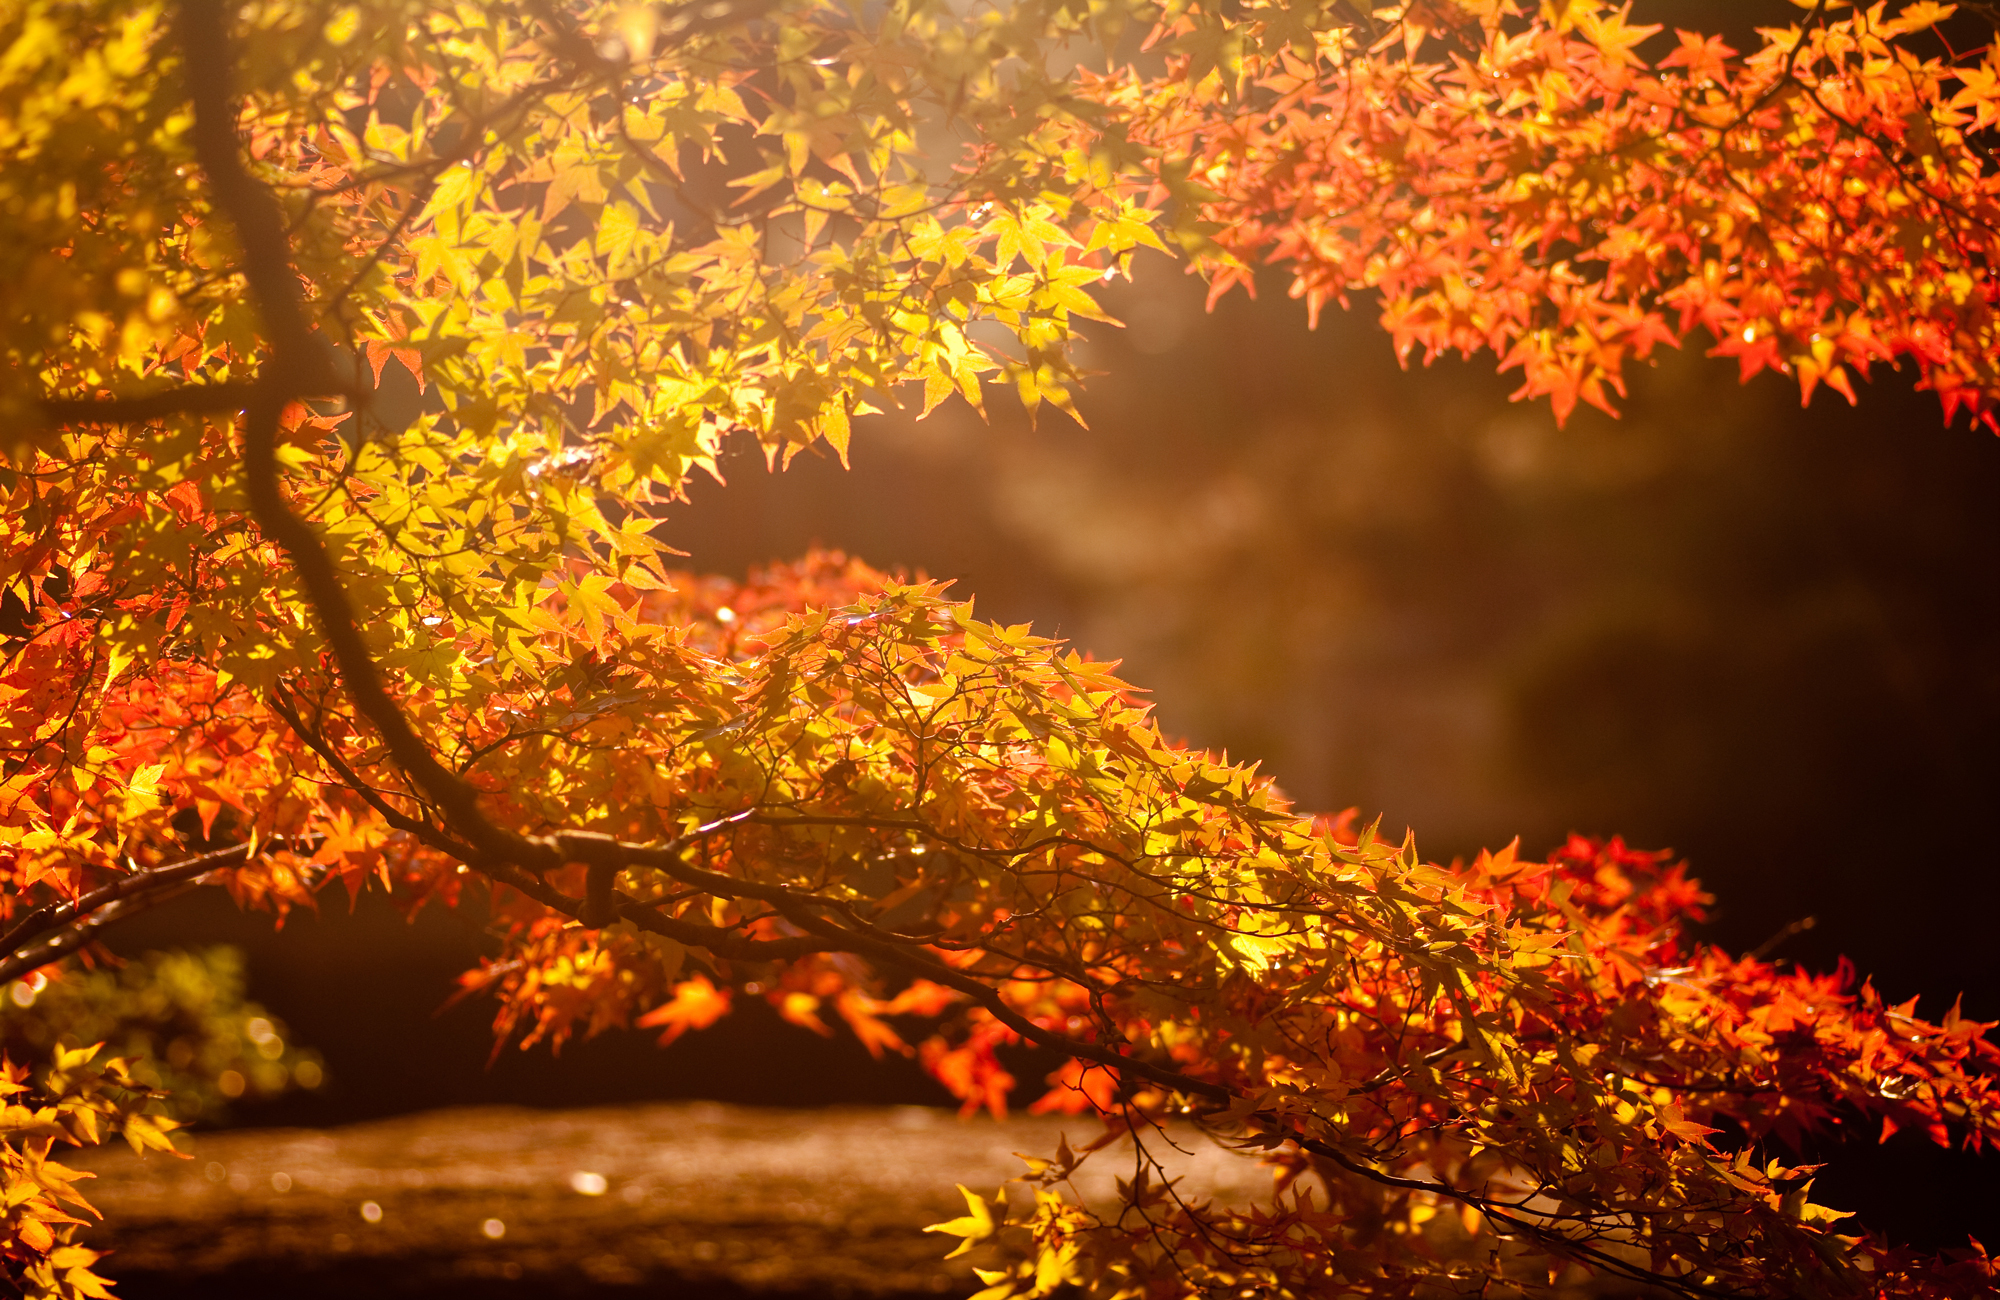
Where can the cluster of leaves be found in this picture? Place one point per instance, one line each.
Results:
(179, 1018)
(1684, 1044)
(632, 229)
(1533, 1046)
(374, 341)
(1523, 179)
(1533, 1043)
(80, 1102)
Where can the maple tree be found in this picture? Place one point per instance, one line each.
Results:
(356, 351)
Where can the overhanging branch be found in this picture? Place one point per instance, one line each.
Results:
(298, 368)
(55, 930)
(189, 399)
(51, 917)
(82, 932)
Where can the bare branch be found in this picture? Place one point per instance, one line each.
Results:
(55, 916)
(85, 931)
(189, 399)
(52, 932)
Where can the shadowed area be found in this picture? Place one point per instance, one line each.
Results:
(699, 1198)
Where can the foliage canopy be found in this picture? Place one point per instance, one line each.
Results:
(355, 351)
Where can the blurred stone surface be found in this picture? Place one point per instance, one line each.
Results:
(685, 1199)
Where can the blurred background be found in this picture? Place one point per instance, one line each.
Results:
(1767, 638)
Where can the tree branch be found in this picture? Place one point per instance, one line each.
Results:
(298, 368)
(599, 908)
(210, 72)
(401, 821)
(55, 930)
(607, 855)
(188, 399)
(54, 916)
(723, 943)
(83, 932)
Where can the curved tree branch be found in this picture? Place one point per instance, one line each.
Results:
(56, 947)
(189, 399)
(51, 917)
(57, 929)
(298, 368)
(209, 67)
